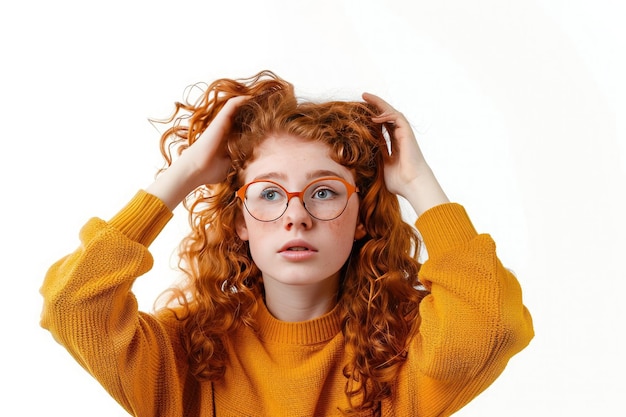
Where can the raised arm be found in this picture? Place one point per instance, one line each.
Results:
(90, 309)
(473, 321)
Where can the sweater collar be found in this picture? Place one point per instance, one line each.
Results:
(310, 332)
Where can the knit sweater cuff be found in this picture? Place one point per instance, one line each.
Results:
(445, 226)
(143, 218)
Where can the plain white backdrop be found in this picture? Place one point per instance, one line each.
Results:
(519, 107)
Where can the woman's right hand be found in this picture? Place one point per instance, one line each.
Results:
(204, 162)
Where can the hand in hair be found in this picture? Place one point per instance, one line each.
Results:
(204, 162)
(406, 171)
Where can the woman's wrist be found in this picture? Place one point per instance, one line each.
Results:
(424, 193)
(171, 186)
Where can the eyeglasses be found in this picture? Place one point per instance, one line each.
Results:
(324, 198)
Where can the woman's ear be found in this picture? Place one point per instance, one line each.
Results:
(241, 228)
(360, 231)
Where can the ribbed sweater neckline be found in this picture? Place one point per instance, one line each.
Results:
(310, 332)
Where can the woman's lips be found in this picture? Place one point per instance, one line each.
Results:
(297, 250)
(297, 246)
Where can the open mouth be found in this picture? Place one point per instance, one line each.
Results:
(297, 245)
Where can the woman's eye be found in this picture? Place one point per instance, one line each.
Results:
(323, 193)
(270, 195)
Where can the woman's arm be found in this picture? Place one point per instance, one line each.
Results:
(88, 304)
(90, 310)
(473, 321)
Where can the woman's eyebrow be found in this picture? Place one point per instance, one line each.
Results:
(323, 173)
(309, 176)
(270, 176)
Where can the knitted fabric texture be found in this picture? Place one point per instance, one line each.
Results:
(471, 324)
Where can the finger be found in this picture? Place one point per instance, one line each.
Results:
(377, 101)
(222, 121)
(388, 115)
(231, 105)
(380, 104)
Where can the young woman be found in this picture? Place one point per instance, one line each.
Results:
(303, 293)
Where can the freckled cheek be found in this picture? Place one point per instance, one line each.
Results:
(261, 241)
(260, 230)
(342, 229)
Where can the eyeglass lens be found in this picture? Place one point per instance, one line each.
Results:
(324, 199)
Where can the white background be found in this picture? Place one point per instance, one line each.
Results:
(519, 107)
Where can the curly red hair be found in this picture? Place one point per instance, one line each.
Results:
(380, 292)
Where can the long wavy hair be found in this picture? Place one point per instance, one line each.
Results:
(380, 292)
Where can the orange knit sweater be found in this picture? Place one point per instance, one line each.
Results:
(472, 323)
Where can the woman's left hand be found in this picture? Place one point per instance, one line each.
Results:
(406, 171)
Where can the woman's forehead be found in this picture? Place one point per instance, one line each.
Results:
(281, 157)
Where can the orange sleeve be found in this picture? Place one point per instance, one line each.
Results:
(472, 322)
(89, 309)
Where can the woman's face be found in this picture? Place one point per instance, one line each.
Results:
(297, 249)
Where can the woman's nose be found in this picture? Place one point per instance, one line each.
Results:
(296, 214)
